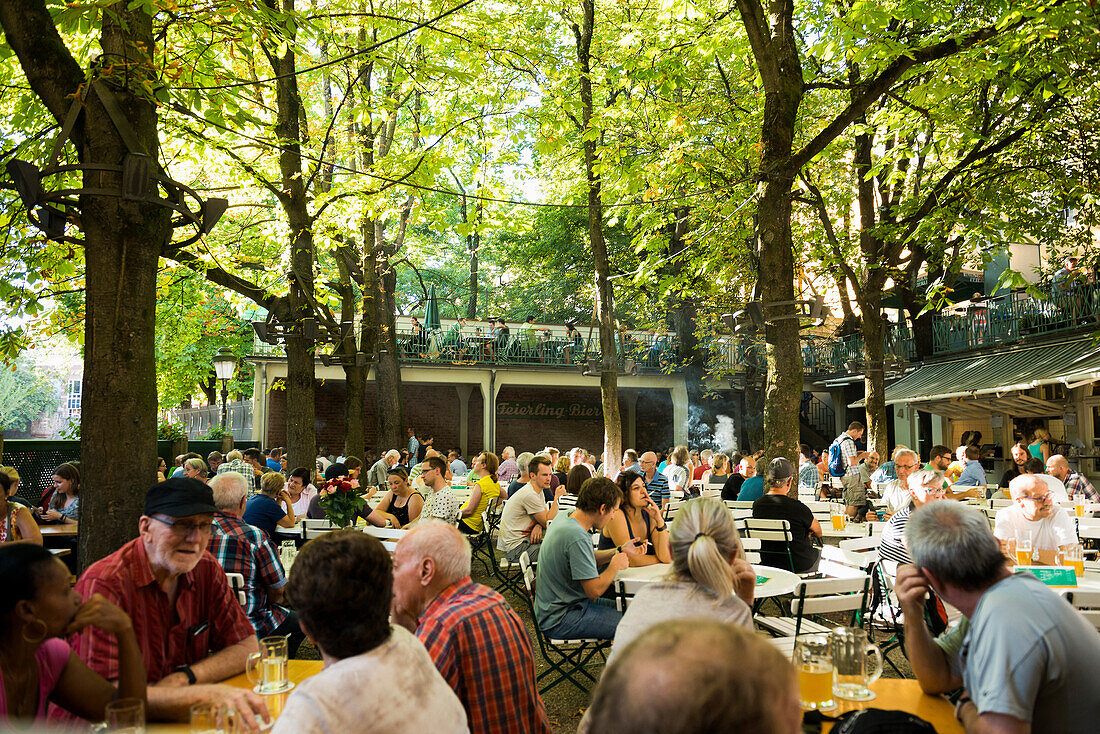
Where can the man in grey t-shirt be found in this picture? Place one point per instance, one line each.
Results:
(567, 596)
(1029, 659)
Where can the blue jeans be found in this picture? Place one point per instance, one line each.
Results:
(591, 618)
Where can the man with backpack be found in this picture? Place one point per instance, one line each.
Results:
(844, 459)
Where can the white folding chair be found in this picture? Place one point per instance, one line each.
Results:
(772, 531)
(315, 528)
(236, 584)
(625, 589)
(385, 533)
(860, 544)
(998, 504)
(1085, 602)
(751, 546)
(817, 597)
(840, 563)
(739, 504)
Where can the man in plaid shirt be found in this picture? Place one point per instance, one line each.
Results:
(244, 549)
(478, 643)
(1076, 483)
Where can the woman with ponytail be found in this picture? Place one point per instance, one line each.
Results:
(710, 577)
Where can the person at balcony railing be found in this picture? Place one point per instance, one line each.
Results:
(502, 339)
(1066, 278)
(1040, 444)
(574, 346)
(454, 337)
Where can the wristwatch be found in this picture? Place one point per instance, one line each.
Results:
(186, 670)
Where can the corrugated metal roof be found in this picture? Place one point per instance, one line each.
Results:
(999, 372)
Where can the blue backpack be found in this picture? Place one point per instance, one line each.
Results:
(836, 458)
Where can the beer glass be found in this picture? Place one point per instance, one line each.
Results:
(1074, 557)
(212, 718)
(1079, 504)
(836, 514)
(124, 716)
(1010, 548)
(266, 669)
(814, 662)
(1023, 551)
(857, 662)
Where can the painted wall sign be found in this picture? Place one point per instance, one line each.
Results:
(559, 411)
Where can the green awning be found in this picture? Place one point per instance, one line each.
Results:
(1000, 372)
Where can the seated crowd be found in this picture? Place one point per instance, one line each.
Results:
(157, 619)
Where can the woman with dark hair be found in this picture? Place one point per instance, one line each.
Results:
(162, 469)
(37, 608)
(639, 518)
(17, 523)
(401, 505)
(577, 476)
(342, 588)
(64, 504)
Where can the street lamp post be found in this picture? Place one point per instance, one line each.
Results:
(224, 364)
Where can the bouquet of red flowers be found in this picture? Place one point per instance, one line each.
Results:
(340, 502)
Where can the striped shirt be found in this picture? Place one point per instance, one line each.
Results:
(657, 488)
(892, 546)
(483, 651)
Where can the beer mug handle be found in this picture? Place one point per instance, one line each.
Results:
(873, 651)
(253, 664)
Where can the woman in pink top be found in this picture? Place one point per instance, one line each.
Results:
(37, 607)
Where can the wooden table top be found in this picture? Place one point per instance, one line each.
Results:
(892, 693)
(297, 671)
(67, 529)
(905, 695)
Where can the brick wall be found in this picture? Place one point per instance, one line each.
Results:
(434, 408)
(427, 408)
(532, 434)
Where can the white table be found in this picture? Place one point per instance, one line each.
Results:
(851, 530)
(779, 581)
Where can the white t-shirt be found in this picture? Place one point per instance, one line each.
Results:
(516, 517)
(1046, 534)
(897, 498)
(392, 689)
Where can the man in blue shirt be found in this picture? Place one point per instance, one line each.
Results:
(273, 462)
(656, 483)
(973, 474)
(569, 586)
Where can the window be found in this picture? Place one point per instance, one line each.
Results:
(72, 402)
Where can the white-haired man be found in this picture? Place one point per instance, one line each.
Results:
(478, 643)
(508, 467)
(190, 627)
(1033, 515)
(896, 491)
(245, 549)
(1026, 656)
(376, 477)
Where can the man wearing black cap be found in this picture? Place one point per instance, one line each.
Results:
(776, 505)
(192, 631)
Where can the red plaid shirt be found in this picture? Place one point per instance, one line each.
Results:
(482, 650)
(1077, 483)
(244, 549)
(209, 617)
